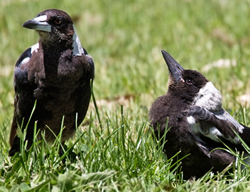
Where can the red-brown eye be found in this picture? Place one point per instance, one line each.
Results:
(189, 81)
(57, 21)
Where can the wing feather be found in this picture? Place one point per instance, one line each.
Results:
(218, 125)
(19, 77)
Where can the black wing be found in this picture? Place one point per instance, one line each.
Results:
(24, 57)
(218, 125)
(20, 80)
(91, 63)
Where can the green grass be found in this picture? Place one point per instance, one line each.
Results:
(125, 39)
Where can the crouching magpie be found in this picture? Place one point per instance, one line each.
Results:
(55, 74)
(192, 111)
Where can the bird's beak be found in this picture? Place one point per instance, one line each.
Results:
(38, 23)
(175, 68)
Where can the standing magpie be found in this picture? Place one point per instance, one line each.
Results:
(192, 112)
(55, 74)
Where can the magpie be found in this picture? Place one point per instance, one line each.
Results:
(51, 81)
(191, 118)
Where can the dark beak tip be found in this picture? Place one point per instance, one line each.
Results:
(174, 67)
(27, 24)
(167, 57)
(163, 52)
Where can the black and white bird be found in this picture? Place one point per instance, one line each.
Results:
(56, 73)
(192, 111)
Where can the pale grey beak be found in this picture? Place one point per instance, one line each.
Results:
(38, 23)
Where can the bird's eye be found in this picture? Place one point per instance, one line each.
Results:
(189, 81)
(57, 21)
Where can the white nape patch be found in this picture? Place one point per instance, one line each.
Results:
(41, 18)
(77, 47)
(208, 97)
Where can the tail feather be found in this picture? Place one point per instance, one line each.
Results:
(245, 136)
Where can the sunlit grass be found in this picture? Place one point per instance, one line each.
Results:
(125, 39)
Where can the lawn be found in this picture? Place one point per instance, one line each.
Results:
(117, 152)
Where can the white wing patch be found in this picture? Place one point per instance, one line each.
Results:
(195, 127)
(33, 48)
(210, 99)
(77, 47)
(25, 60)
(213, 133)
(191, 120)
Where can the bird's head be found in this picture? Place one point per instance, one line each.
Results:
(191, 86)
(55, 27)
